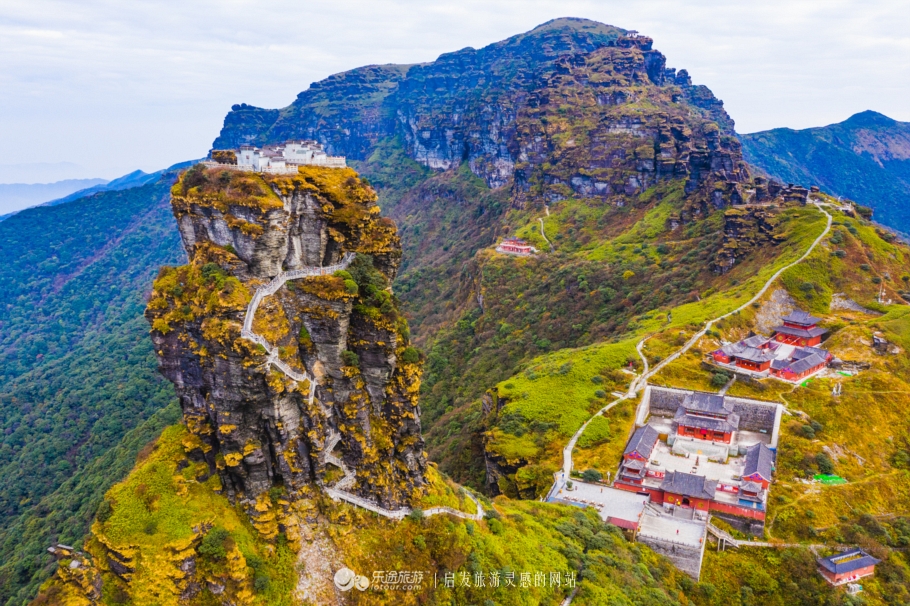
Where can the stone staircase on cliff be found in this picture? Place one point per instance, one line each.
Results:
(336, 492)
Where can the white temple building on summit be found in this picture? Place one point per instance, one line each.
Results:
(281, 158)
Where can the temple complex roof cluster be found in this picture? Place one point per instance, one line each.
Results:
(790, 354)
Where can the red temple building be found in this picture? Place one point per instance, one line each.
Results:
(706, 416)
(633, 469)
(759, 466)
(516, 247)
(847, 567)
(755, 353)
(683, 463)
(799, 328)
(770, 356)
(688, 490)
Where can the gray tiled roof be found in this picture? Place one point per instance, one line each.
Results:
(689, 485)
(732, 349)
(847, 561)
(642, 441)
(805, 364)
(801, 332)
(713, 403)
(727, 425)
(634, 465)
(753, 354)
(805, 352)
(759, 459)
(755, 341)
(801, 317)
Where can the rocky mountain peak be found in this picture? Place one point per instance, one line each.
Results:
(498, 109)
(283, 339)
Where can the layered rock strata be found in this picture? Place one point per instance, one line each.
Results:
(572, 108)
(351, 414)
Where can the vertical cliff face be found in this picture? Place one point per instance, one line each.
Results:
(573, 107)
(283, 339)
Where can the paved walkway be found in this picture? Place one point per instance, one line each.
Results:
(610, 502)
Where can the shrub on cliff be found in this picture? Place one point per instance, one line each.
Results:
(215, 544)
(350, 358)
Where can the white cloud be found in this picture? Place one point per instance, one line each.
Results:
(116, 86)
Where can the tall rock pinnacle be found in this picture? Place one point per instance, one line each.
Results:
(283, 339)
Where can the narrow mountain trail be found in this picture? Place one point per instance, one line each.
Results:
(543, 235)
(335, 492)
(642, 380)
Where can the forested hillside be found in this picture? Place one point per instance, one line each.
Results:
(865, 158)
(78, 371)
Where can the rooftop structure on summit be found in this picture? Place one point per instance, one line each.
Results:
(847, 566)
(282, 158)
(515, 246)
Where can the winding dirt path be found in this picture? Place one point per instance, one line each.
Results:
(543, 235)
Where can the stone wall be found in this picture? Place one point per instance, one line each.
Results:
(663, 401)
(754, 415)
(686, 558)
(745, 525)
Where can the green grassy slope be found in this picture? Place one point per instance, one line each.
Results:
(865, 158)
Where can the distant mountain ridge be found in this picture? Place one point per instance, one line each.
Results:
(16, 196)
(865, 158)
(137, 178)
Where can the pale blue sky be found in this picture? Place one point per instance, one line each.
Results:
(113, 86)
